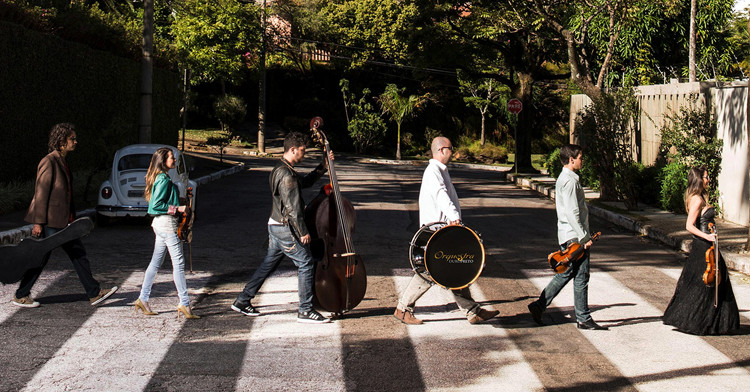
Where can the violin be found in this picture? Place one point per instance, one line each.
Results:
(711, 276)
(340, 276)
(185, 226)
(560, 261)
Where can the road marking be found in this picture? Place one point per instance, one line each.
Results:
(650, 354)
(444, 343)
(100, 356)
(281, 351)
(7, 291)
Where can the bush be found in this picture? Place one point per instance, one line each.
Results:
(692, 133)
(230, 110)
(473, 151)
(552, 163)
(673, 180)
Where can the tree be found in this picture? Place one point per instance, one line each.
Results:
(483, 95)
(399, 107)
(217, 40)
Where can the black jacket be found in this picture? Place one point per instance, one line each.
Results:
(286, 190)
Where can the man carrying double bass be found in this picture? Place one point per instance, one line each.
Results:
(438, 202)
(287, 232)
(572, 226)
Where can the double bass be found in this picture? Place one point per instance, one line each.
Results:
(340, 276)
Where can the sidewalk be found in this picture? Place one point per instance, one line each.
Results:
(665, 227)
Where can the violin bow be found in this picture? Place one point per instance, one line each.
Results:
(716, 267)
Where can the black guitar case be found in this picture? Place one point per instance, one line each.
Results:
(15, 260)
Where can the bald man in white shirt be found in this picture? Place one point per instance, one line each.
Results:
(438, 202)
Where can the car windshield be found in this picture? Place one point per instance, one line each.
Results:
(135, 161)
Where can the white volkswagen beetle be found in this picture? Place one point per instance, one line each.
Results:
(122, 194)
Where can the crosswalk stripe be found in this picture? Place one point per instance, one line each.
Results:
(7, 291)
(675, 361)
(99, 346)
(446, 334)
(281, 351)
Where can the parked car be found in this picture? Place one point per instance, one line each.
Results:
(122, 194)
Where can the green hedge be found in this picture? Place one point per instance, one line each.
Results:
(48, 80)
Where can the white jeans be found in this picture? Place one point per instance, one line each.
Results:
(166, 240)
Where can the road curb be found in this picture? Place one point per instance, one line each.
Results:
(14, 236)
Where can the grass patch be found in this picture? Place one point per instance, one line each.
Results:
(201, 136)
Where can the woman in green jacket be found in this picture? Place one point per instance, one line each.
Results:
(164, 205)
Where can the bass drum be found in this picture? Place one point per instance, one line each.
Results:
(450, 255)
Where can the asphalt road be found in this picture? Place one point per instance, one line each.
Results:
(68, 345)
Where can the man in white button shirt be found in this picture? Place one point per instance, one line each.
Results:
(572, 226)
(438, 202)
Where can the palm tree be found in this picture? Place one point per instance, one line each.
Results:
(399, 107)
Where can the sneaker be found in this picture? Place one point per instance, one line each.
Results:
(312, 317)
(25, 302)
(103, 294)
(246, 309)
(482, 316)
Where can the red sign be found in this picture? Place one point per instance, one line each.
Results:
(515, 106)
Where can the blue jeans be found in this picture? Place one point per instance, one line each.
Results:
(282, 242)
(166, 240)
(579, 272)
(77, 254)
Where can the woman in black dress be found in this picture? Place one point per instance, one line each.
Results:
(692, 308)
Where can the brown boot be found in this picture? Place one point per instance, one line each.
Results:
(482, 316)
(406, 317)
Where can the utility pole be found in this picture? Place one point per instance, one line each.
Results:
(262, 84)
(147, 69)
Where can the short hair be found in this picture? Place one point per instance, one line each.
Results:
(58, 136)
(295, 139)
(569, 151)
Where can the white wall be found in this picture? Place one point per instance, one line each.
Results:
(730, 105)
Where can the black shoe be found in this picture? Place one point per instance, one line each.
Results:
(591, 325)
(246, 309)
(312, 317)
(536, 312)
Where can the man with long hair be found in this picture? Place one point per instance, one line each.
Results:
(51, 210)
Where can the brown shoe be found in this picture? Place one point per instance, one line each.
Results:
(406, 317)
(482, 316)
(103, 295)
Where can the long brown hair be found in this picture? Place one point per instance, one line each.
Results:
(158, 165)
(695, 186)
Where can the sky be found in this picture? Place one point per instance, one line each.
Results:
(740, 5)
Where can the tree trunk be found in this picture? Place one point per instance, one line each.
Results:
(481, 137)
(691, 51)
(398, 142)
(523, 131)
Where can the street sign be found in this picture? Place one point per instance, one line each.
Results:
(515, 106)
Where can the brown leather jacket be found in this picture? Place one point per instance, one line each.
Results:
(286, 189)
(52, 205)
